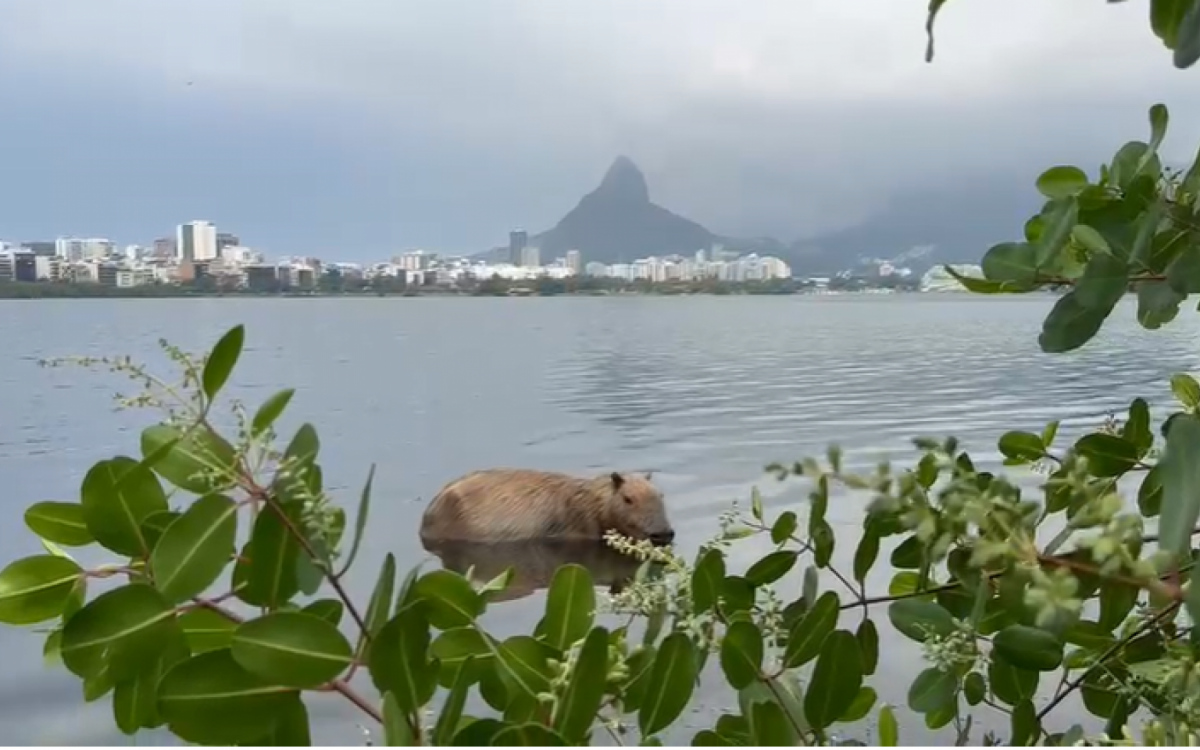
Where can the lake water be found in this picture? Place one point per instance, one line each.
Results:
(704, 390)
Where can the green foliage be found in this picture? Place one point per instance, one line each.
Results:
(995, 583)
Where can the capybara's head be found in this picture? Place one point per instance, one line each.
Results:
(636, 509)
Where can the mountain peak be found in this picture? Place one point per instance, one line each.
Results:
(625, 181)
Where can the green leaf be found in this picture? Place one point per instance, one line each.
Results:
(1060, 219)
(809, 635)
(570, 607)
(451, 713)
(1116, 602)
(62, 523)
(36, 589)
(1183, 273)
(127, 627)
(206, 630)
(1025, 728)
(1159, 119)
(1011, 684)
(398, 660)
(868, 643)
(1070, 325)
(1029, 648)
(1132, 161)
(292, 649)
(529, 734)
(211, 699)
(974, 688)
(1013, 262)
(1186, 390)
(1090, 239)
(1107, 455)
(932, 691)
(784, 527)
(135, 701)
(195, 548)
(835, 680)
(769, 726)
(155, 524)
(709, 738)
(641, 667)
(866, 553)
(453, 603)
(453, 647)
(221, 361)
(1192, 599)
(270, 576)
(771, 568)
(1187, 40)
(525, 662)
(1022, 446)
(198, 461)
(823, 542)
(862, 705)
(1158, 304)
(708, 577)
(305, 445)
(1180, 467)
(671, 684)
(1062, 182)
(1104, 282)
(290, 730)
(117, 495)
(380, 603)
(396, 730)
(270, 411)
(742, 654)
(917, 619)
(985, 286)
(889, 731)
(329, 610)
(576, 712)
(360, 521)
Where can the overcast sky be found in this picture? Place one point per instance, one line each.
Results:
(356, 128)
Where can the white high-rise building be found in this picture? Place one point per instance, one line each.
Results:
(76, 249)
(196, 241)
(575, 262)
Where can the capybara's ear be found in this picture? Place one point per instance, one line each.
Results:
(617, 480)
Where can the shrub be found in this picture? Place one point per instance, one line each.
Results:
(1102, 608)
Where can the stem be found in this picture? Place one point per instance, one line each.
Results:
(337, 686)
(770, 683)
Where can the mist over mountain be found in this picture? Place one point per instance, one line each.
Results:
(618, 223)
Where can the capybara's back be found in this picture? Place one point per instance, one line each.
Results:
(512, 504)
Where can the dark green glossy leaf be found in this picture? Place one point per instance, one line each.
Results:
(270, 575)
(769, 726)
(525, 663)
(398, 659)
(771, 568)
(478, 733)
(784, 527)
(986, 286)
(1137, 428)
(1183, 273)
(198, 461)
(707, 579)
(291, 648)
(1061, 182)
(974, 688)
(329, 610)
(1022, 446)
(222, 360)
(737, 595)
(807, 638)
(933, 690)
(909, 554)
(155, 525)
(1116, 602)
(1104, 282)
(127, 627)
(360, 520)
(36, 589)
(211, 699)
(380, 603)
(868, 643)
(206, 630)
(570, 607)
(709, 738)
(866, 553)
(889, 731)
(1158, 304)
(453, 647)
(823, 543)
(1060, 217)
(1180, 466)
(1192, 599)
(835, 681)
(195, 548)
(862, 705)
(529, 734)
(1107, 455)
(1186, 390)
(1029, 648)
(270, 411)
(671, 684)
(1011, 684)
(742, 654)
(1090, 239)
(117, 495)
(1069, 325)
(1024, 724)
(396, 730)
(290, 730)
(61, 523)
(1014, 262)
(305, 445)
(641, 668)
(451, 713)
(576, 712)
(917, 619)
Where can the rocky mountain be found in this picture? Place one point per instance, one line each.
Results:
(617, 222)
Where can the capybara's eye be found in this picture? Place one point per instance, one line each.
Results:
(627, 499)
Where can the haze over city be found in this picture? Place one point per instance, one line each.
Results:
(352, 132)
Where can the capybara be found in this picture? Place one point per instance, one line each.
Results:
(498, 505)
(534, 562)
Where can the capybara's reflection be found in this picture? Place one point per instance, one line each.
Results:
(534, 562)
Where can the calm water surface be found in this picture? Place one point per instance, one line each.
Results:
(703, 390)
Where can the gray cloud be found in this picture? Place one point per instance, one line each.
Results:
(363, 127)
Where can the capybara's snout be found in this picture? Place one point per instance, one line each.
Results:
(662, 538)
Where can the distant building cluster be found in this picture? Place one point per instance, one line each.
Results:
(717, 263)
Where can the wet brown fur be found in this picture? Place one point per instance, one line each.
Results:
(512, 504)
